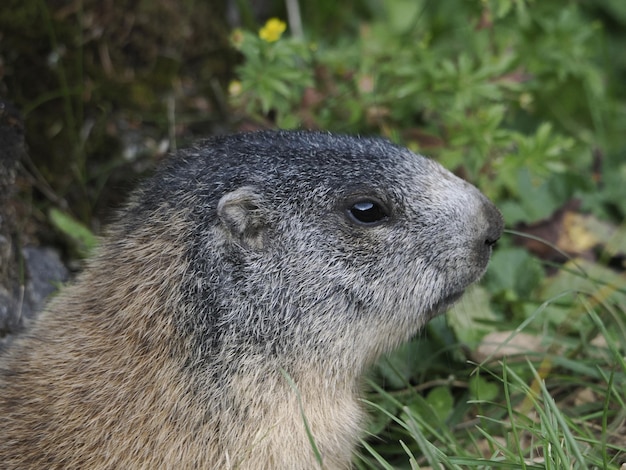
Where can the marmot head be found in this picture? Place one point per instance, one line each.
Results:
(314, 248)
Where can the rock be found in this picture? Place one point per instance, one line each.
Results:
(24, 283)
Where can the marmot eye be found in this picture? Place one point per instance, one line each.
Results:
(367, 212)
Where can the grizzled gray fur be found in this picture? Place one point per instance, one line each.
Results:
(244, 260)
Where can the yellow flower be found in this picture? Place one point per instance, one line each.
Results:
(273, 30)
(236, 38)
(526, 101)
(234, 88)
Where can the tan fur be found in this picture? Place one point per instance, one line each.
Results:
(145, 402)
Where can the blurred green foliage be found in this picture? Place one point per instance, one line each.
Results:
(509, 93)
(102, 84)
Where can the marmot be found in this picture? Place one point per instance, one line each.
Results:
(244, 289)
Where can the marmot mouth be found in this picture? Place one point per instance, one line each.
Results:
(445, 303)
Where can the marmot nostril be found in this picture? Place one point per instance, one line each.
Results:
(495, 223)
(244, 261)
(492, 242)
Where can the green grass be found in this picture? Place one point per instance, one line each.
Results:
(561, 409)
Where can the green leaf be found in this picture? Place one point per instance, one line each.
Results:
(597, 283)
(401, 14)
(471, 318)
(83, 239)
(441, 401)
(481, 389)
(515, 271)
(398, 367)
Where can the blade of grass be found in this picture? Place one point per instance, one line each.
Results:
(412, 459)
(433, 455)
(292, 384)
(509, 407)
(376, 455)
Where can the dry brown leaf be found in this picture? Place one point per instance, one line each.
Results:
(575, 236)
(497, 345)
(583, 396)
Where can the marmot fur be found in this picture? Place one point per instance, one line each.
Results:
(247, 284)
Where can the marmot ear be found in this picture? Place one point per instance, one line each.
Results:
(241, 213)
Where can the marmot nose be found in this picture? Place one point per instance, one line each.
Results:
(491, 241)
(495, 223)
